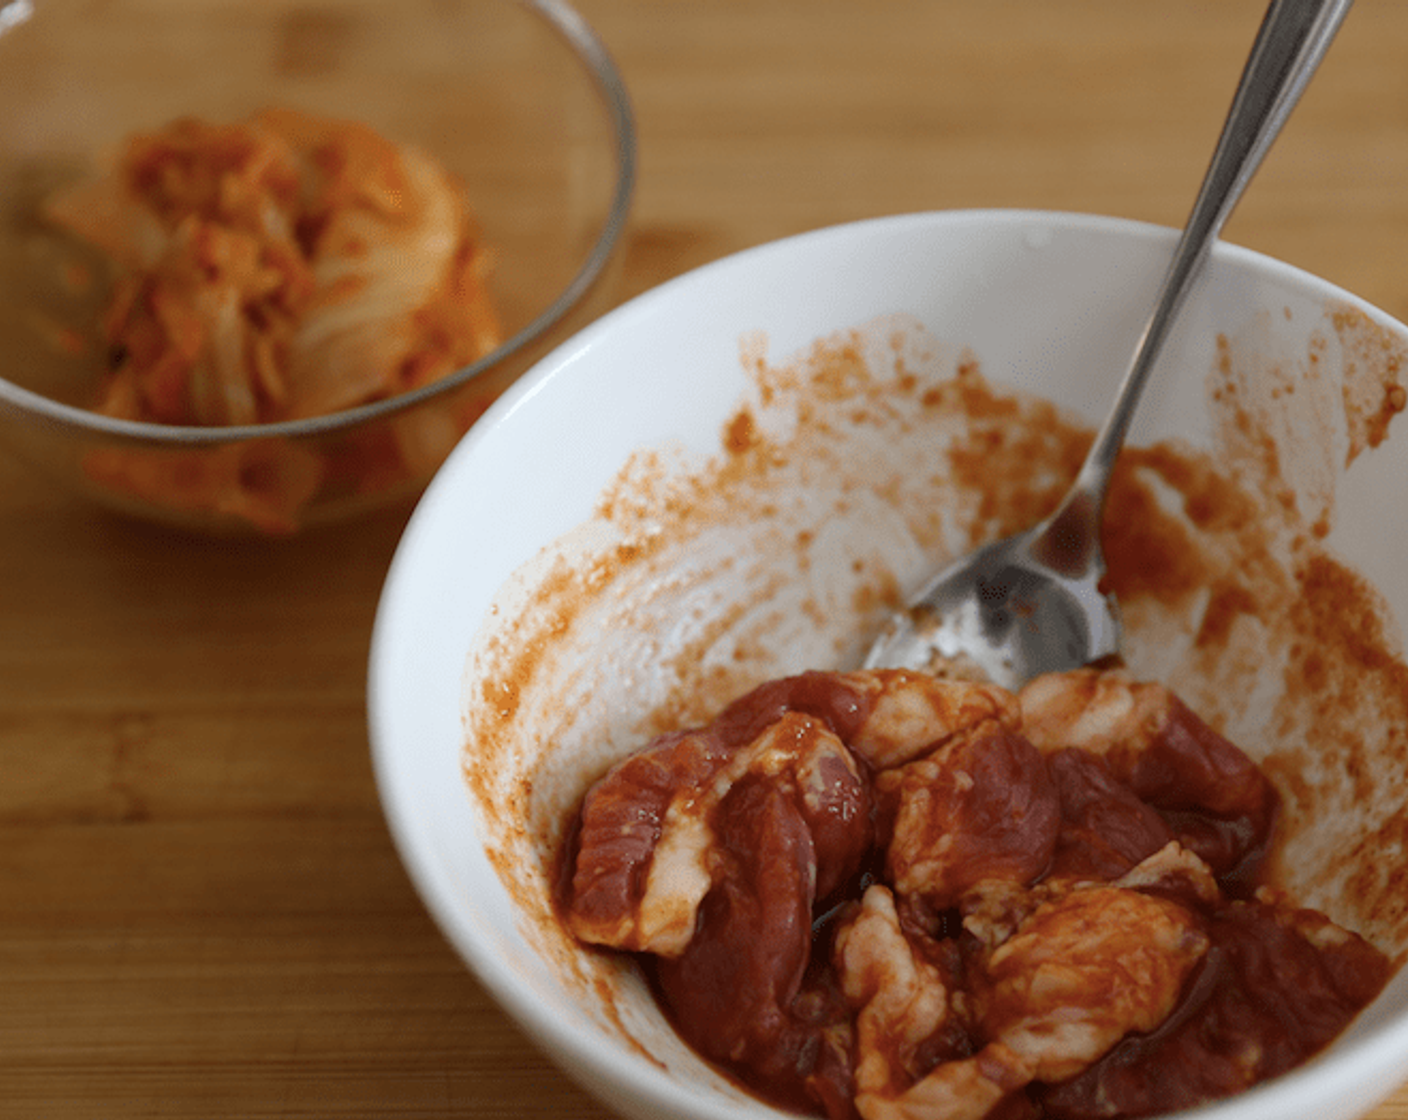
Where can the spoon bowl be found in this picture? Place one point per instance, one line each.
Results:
(1007, 613)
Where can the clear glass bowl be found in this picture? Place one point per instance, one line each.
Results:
(519, 100)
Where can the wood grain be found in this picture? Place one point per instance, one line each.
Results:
(201, 914)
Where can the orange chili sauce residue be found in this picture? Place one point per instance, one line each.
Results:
(1228, 591)
(1373, 395)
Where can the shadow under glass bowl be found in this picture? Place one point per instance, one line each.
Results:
(517, 99)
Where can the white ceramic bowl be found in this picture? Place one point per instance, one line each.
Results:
(618, 535)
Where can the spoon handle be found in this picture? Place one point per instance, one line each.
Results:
(1293, 38)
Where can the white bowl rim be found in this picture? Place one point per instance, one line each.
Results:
(591, 51)
(1300, 1092)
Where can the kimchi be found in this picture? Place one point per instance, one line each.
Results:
(279, 268)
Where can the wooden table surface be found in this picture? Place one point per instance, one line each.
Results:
(201, 914)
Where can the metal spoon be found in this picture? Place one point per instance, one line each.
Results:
(1032, 603)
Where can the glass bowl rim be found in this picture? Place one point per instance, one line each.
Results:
(589, 49)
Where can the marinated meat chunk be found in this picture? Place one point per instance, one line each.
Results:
(1080, 972)
(1214, 798)
(732, 985)
(1277, 985)
(647, 843)
(620, 827)
(841, 703)
(1175, 872)
(889, 896)
(1105, 829)
(1083, 971)
(645, 833)
(913, 714)
(995, 909)
(982, 808)
(901, 989)
(886, 716)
